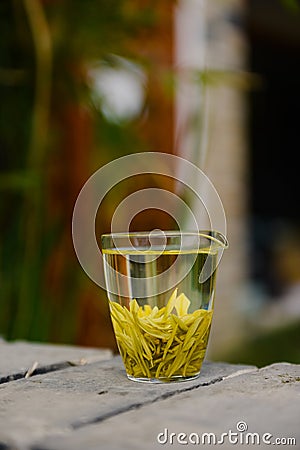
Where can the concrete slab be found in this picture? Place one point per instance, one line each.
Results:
(253, 409)
(59, 403)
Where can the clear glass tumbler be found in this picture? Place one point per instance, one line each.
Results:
(161, 288)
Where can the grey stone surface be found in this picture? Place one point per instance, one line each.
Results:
(95, 406)
(17, 358)
(266, 400)
(68, 401)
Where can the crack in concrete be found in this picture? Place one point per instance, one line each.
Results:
(138, 405)
(37, 371)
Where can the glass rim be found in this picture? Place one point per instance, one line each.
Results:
(215, 236)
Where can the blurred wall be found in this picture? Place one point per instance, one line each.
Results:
(211, 40)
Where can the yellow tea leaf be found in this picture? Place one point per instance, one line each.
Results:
(161, 343)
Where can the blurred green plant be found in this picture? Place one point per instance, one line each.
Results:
(292, 5)
(46, 49)
(268, 347)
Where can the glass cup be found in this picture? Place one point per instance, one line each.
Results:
(161, 288)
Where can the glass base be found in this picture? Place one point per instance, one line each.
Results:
(175, 379)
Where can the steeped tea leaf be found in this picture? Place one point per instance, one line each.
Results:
(161, 343)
